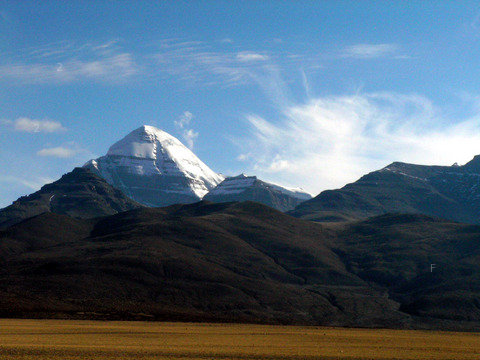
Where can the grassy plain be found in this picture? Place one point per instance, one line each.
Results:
(92, 340)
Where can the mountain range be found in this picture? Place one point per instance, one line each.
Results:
(399, 248)
(243, 262)
(156, 169)
(148, 167)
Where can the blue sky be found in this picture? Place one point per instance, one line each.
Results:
(303, 93)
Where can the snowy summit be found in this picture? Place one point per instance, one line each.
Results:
(155, 169)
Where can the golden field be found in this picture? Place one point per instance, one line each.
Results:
(82, 340)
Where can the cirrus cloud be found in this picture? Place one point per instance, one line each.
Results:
(67, 62)
(112, 68)
(329, 141)
(369, 51)
(246, 56)
(31, 182)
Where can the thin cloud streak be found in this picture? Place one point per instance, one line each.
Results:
(369, 51)
(251, 56)
(32, 184)
(66, 62)
(113, 68)
(197, 63)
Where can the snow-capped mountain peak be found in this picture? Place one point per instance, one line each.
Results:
(143, 142)
(155, 168)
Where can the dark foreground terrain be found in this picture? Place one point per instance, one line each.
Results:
(243, 262)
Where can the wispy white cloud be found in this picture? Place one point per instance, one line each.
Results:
(246, 56)
(59, 152)
(25, 124)
(182, 124)
(370, 51)
(189, 135)
(66, 150)
(195, 62)
(66, 62)
(113, 68)
(184, 120)
(199, 64)
(329, 141)
(106, 46)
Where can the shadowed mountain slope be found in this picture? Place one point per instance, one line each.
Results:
(242, 262)
(79, 193)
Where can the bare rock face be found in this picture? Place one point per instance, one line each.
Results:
(155, 169)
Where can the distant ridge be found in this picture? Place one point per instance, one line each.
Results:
(449, 192)
(250, 188)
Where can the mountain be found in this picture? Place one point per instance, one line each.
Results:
(243, 262)
(249, 188)
(450, 192)
(428, 265)
(79, 193)
(155, 169)
(240, 262)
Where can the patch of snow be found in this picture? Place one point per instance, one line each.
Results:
(234, 185)
(240, 183)
(404, 174)
(299, 193)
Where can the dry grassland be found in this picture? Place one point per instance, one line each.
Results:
(82, 340)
